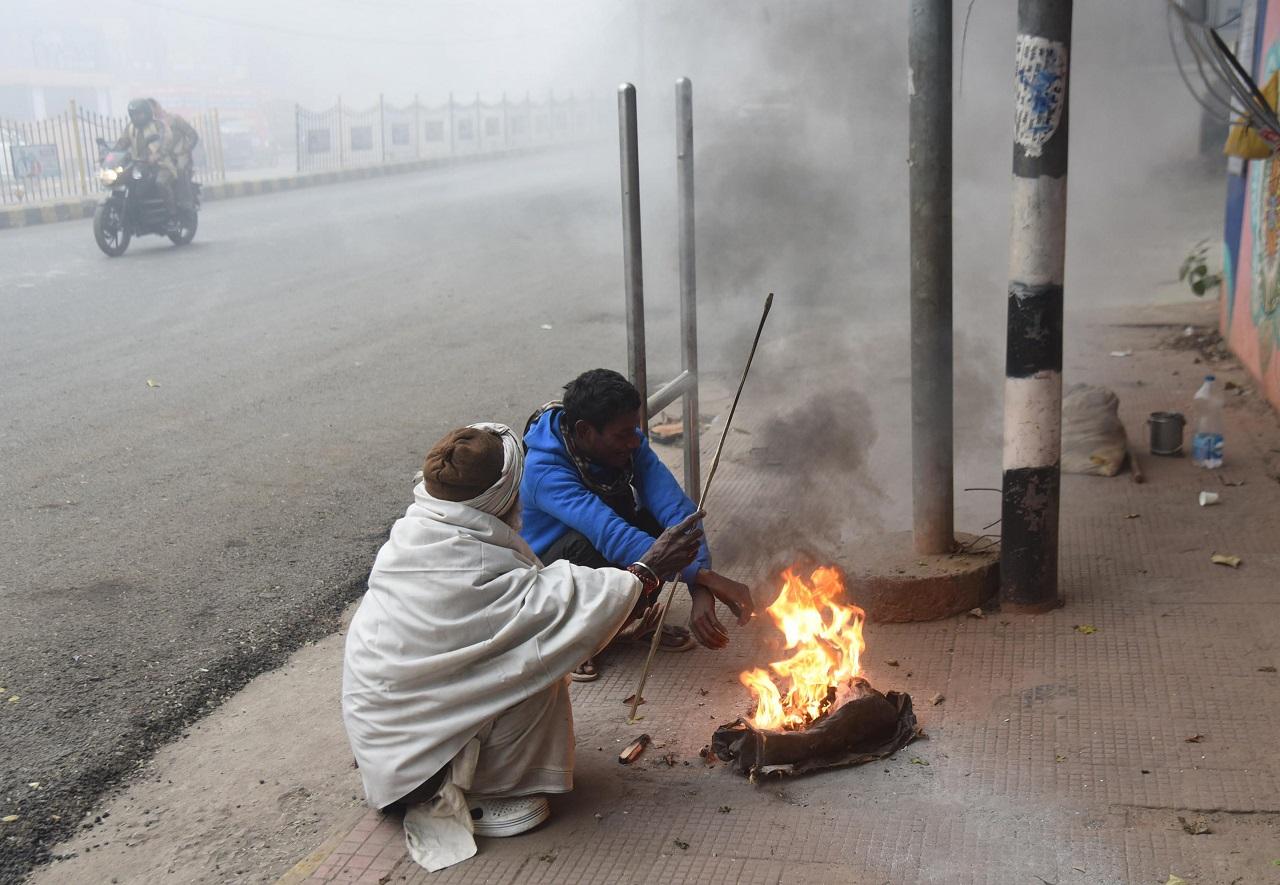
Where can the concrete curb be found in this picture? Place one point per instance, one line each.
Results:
(83, 207)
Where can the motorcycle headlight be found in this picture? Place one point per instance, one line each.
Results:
(108, 176)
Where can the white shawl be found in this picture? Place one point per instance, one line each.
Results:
(460, 622)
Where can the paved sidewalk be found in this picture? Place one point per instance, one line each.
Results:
(1057, 756)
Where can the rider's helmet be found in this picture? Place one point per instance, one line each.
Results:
(140, 112)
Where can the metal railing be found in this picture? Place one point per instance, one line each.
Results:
(57, 157)
(341, 137)
(686, 383)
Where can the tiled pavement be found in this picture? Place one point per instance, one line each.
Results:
(1057, 756)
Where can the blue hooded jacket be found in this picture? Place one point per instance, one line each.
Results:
(556, 500)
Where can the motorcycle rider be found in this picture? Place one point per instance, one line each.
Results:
(183, 139)
(149, 140)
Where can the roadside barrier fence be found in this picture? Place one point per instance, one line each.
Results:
(57, 157)
(342, 137)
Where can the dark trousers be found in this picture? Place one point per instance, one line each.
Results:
(574, 546)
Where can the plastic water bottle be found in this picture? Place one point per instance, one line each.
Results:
(1206, 407)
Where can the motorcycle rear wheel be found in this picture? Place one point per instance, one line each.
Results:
(109, 230)
(188, 221)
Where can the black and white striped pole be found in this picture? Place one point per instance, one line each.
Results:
(1033, 365)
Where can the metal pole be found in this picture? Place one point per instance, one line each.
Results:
(216, 138)
(79, 147)
(633, 274)
(929, 171)
(382, 127)
(1033, 356)
(341, 147)
(688, 279)
(417, 128)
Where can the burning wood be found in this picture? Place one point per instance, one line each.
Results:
(823, 714)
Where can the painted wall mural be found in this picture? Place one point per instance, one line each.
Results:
(1250, 306)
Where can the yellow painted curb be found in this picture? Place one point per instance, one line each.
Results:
(309, 864)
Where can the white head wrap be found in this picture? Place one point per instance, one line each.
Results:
(497, 499)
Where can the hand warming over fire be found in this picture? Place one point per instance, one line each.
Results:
(707, 588)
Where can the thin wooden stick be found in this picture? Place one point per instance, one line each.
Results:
(702, 500)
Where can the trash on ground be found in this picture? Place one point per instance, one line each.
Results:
(1226, 559)
(151, 382)
(1208, 499)
(1194, 739)
(1267, 669)
(629, 699)
(1230, 483)
(1132, 515)
(632, 751)
(1197, 827)
(976, 613)
(864, 728)
(891, 663)
(937, 699)
(681, 844)
(916, 760)
(1121, 353)
(1086, 629)
(546, 327)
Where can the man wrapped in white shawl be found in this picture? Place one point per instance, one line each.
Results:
(454, 689)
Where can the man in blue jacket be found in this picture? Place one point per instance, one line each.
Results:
(594, 493)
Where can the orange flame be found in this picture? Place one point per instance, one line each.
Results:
(827, 638)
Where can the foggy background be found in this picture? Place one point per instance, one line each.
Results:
(800, 131)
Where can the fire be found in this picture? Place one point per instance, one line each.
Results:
(827, 639)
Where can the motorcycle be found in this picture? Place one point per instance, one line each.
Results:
(136, 206)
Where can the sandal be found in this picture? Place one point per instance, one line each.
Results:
(673, 638)
(585, 672)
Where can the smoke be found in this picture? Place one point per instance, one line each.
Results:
(801, 134)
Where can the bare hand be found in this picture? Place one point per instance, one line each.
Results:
(676, 547)
(733, 594)
(703, 623)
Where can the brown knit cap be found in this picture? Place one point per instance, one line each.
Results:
(463, 464)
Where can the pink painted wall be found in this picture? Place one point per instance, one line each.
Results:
(1250, 304)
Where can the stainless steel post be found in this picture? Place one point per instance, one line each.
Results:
(929, 165)
(633, 269)
(688, 281)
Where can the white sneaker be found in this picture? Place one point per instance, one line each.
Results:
(509, 817)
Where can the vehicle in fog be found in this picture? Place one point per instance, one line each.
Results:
(135, 205)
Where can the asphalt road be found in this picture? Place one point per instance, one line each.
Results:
(202, 448)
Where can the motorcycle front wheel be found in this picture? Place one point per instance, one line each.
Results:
(188, 220)
(109, 230)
